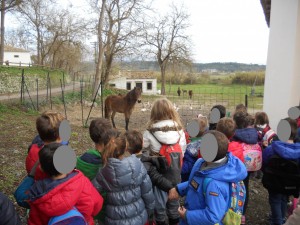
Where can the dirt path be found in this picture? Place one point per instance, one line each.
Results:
(43, 92)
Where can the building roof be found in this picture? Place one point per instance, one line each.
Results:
(8, 48)
(266, 5)
(129, 74)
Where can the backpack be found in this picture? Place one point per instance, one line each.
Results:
(170, 151)
(72, 217)
(252, 156)
(282, 176)
(237, 193)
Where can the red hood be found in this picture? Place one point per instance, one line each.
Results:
(236, 149)
(76, 191)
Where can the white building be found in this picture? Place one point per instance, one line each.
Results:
(129, 79)
(16, 57)
(283, 68)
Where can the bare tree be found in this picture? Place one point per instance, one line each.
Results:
(165, 38)
(6, 5)
(120, 30)
(36, 14)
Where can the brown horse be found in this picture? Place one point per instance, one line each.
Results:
(190, 94)
(122, 104)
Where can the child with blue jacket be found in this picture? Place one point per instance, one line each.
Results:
(211, 206)
(281, 164)
(192, 152)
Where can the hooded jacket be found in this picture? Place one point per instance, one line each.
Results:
(8, 214)
(129, 191)
(50, 198)
(246, 135)
(166, 137)
(211, 208)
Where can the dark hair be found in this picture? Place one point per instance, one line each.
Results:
(221, 108)
(46, 159)
(48, 124)
(226, 126)
(261, 118)
(116, 146)
(222, 144)
(250, 120)
(240, 119)
(98, 128)
(241, 107)
(294, 128)
(135, 141)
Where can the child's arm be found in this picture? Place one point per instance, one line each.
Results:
(147, 192)
(216, 206)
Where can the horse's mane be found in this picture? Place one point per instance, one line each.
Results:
(131, 96)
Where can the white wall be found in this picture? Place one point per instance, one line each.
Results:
(144, 84)
(122, 84)
(23, 57)
(282, 83)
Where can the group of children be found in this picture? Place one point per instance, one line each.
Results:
(136, 179)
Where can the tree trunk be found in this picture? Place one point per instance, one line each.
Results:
(100, 50)
(163, 79)
(2, 32)
(109, 61)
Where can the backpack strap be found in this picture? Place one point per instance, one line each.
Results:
(205, 183)
(32, 172)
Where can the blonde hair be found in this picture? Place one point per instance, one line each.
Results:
(163, 109)
(48, 124)
(203, 125)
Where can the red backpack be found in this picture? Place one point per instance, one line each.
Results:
(170, 151)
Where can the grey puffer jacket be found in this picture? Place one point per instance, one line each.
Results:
(129, 191)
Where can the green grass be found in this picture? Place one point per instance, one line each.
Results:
(36, 72)
(209, 94)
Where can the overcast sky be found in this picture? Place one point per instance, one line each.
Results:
(221, 30)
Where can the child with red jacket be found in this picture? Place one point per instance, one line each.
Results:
(227, 126)
(59, 193)
(47, 126)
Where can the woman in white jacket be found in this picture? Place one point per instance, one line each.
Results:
(165, 128)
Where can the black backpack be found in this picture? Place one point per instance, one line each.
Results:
(282, 176)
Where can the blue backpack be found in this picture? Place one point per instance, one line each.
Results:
(237, 193)
(72, 217)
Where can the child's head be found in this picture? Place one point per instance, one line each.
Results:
(226, 126)
(293, 125)
(240, 119)
(163, 109)
(98, 128)
(241, 107)
(116, 146)
(222, 141)
(47, 126)
(203, 125)
(261, 118)
(135, 141)
(221, 108)
(46, 159)
(250, 120)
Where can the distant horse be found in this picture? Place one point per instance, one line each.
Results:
(190, 94)
(178, 91)
(184, 91)
(122, 104)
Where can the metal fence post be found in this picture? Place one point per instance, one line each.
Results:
(37, 94)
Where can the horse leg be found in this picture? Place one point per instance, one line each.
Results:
(112, 119)
(127, 116)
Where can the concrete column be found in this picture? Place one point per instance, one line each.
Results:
(282, 82)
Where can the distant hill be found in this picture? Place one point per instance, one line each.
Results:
(198, 67)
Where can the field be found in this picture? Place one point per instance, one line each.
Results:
(17, 125)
